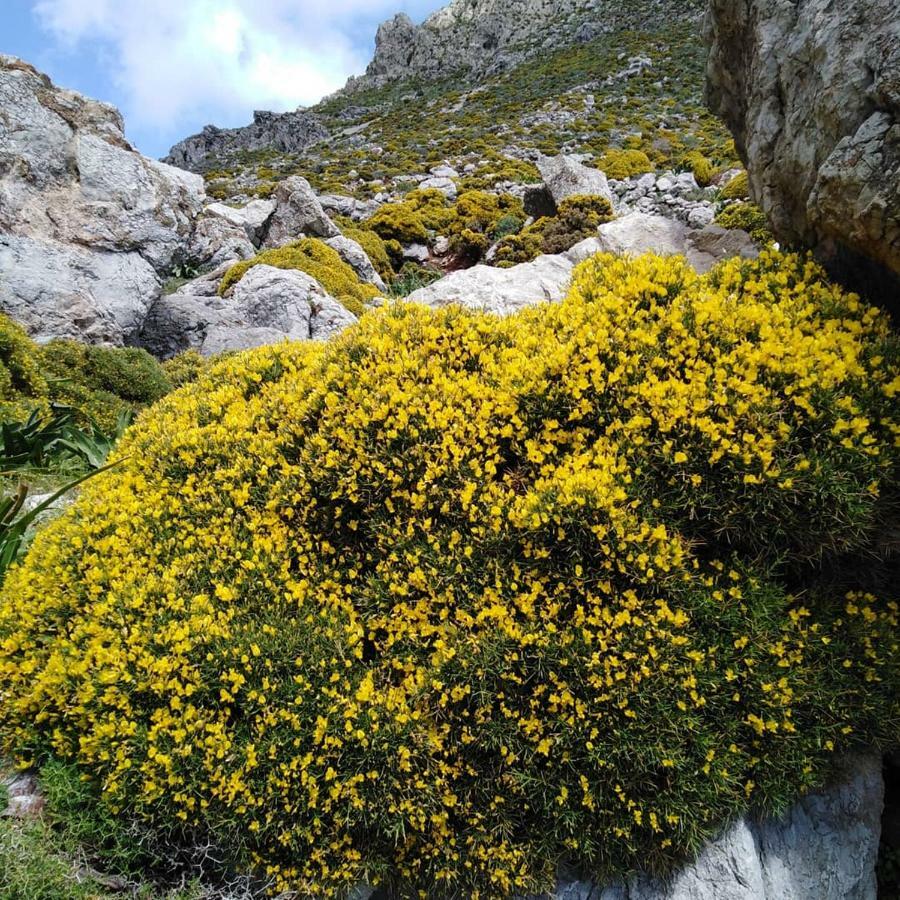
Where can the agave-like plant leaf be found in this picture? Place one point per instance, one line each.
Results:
(14, 528)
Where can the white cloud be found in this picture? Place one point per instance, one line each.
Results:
(175, 61)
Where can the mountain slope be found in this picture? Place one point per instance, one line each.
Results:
(617, 79)
(477, 37)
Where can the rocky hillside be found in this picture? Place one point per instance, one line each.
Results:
(470, 38)
(487, 87)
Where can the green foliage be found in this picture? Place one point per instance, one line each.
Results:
(319, 261)
(102, 383)
(456, 597)
(578, 218)
(16, 524)
(622, 164)
(736, 189)
(33, 868)
(411, 277)
(746, 216)
(46, 858)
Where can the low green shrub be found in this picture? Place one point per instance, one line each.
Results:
(455, 598)
(98, 384)
(22, 382)
(476, 219)
(102, 383)
(578, 218)
(746, 216)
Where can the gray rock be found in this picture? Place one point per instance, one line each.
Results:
(811, 92)
(297, 212)
(470, 38)
(701, 216)
(565, 177)
(824, 848)
(500, 291)
(445, 185)
(639, 233)
(71, 177)
(358, 210)
(266, 306)
(90, 227)
(444, 171)
(357, 258)
(252, 218)
(216, 240)
(23, 793)
(58, 290)
(416, 253)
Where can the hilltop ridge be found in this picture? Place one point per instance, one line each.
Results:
(485, 37)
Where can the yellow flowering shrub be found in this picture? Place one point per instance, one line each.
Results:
(22, 383)
(319, 261)
(622, 164)
(451, 598)
(738, 188)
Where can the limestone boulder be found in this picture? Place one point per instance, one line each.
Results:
(266, 306)
(62, 290)
(298, 212)
(252, 218)
(353, 254)
(564, 176)
(500, 291)
(89, 228)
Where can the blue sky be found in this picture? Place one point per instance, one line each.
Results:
(173, 66)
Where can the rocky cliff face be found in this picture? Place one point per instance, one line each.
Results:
(811, 91)
(290, 132)
(484, 37)
(88, 226)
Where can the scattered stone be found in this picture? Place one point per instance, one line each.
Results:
(445, 185)
(417, 253)
(23, 793)
(349, 206)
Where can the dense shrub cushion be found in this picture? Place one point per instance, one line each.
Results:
(453, 597)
